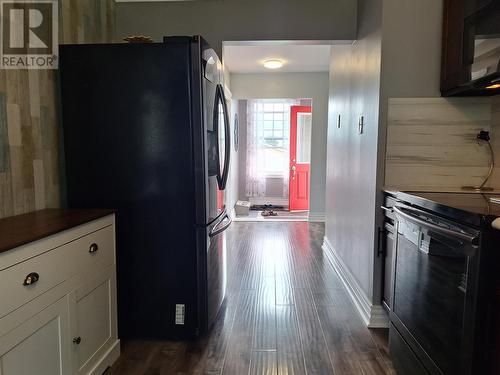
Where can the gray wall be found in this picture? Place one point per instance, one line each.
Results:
(352, 158)
(295, 86)
(239, 20)
(411, 67)
(411, 60)
(411, 48)
(397, 54)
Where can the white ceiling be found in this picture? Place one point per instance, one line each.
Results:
(296, 58)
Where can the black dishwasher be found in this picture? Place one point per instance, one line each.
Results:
(442, 276)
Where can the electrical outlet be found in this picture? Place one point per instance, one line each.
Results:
(180, 311)
(361, 125)
(338, 122)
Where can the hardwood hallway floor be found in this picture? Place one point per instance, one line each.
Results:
(286, 312)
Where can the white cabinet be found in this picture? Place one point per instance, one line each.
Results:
(93, 321)
(40, 345)
(64, 321)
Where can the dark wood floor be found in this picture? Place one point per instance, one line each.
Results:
(286, 312)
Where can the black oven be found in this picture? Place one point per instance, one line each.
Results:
(434, 291)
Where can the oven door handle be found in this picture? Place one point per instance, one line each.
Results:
(473, 240)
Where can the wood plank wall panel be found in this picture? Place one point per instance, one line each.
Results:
(431, 143)
(29, 114)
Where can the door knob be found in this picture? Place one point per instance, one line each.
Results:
(77, 340)
(294, 169)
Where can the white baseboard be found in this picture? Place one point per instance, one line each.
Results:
(269, 200)
(378, 317)
(374, 316)
(317, 217)
(107, 360)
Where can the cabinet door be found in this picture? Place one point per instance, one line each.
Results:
(93, 321)
(39, 346)
(389, 243)
(453, 70)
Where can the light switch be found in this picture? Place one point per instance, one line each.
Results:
(361, 125)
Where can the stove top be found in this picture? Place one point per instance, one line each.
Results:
(469, 208)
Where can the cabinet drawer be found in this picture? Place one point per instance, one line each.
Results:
(92, 252)
(52, 268)
(95, 251)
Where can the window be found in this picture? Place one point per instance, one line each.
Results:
(271, 125)
(268, 144)
(272, 130)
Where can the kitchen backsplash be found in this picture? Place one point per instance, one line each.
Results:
(431, 142)
(29, 114)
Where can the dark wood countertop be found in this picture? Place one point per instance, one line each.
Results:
(22, 229)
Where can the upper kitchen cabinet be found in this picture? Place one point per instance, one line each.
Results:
(470, 62)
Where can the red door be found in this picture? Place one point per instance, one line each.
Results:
(300, 157)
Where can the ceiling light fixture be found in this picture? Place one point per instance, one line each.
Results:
(273, 64)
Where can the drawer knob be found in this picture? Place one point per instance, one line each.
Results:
(77, 340)
(31, 279)
(93, 248)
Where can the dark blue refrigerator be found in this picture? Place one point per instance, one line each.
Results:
(146, 132)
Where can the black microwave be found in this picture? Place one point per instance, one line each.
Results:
(471, 48)
(482, 46)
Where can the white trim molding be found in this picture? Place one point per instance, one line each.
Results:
(317, 217)
(277, 201)
(374, 316)
(107, 360)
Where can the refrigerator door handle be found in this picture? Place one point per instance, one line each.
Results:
(227, 137)
(219, 228)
